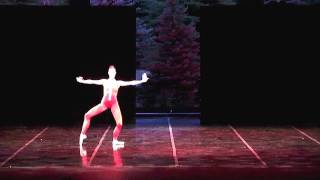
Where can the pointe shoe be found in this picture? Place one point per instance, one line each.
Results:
(82, 137)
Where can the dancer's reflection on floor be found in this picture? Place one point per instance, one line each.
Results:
(116, 155)
(84, 157)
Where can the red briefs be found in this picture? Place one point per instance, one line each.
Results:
(108, 103)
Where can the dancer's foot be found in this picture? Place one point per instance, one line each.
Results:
(116, 147)
(116, 142)
(83, 152)
(81, 138)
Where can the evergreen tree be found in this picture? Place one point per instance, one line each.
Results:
(53, 2)
(146, 51)
(177, 69)
(34, 2)
(145, 45)
(149, 10)
(112, 2)
(295, 2)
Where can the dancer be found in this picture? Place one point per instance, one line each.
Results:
(109, 100)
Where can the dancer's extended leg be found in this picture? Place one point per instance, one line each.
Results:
(87, 118)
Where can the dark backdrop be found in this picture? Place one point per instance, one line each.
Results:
(43, 50)
(259, 65)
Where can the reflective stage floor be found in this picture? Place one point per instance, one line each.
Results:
(162, 148)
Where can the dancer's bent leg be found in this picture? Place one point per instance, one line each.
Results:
(87, 118)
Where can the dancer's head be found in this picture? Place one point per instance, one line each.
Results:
(112, 71)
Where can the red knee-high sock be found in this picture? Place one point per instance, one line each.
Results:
(117, 131)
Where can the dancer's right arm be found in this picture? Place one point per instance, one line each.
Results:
(89, 81)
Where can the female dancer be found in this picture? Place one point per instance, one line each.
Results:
(109, 100)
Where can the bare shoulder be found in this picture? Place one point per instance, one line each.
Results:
(119, 82)
(103, 81)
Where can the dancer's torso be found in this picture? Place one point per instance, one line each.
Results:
(110, 92)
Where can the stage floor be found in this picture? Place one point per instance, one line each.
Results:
(162, 148)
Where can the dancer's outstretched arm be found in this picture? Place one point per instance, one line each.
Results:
(134, 82)
(89, 81)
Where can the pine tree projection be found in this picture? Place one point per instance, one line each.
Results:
(34, 2)
(177, 69)
(52, 2)
(149, 10)
(112, 2)
(144, 44)
(146, 51)
(295, 2)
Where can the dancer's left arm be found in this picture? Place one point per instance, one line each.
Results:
(134, 82)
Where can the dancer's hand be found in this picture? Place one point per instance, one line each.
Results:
(144, 77)
(79, 79)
